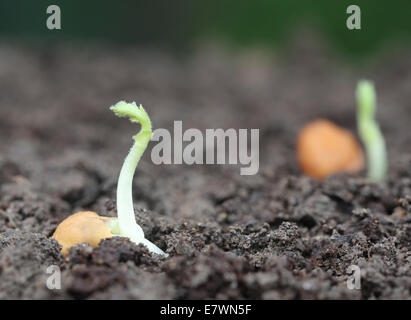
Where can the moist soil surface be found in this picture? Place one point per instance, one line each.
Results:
(276, 235)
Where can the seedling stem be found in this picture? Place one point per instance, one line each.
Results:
(370, 132)
(126, 224)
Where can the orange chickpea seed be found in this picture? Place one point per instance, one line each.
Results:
(85, 226)
(324, 148)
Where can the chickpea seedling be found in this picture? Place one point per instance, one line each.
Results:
(91, 228)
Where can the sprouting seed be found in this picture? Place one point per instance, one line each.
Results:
(89, 227)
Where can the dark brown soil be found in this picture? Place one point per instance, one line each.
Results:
(276, 235)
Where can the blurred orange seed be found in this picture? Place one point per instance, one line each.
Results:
(82, 227)
(324, 148)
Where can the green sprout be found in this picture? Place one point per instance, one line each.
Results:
(126, 224)
(370, 132)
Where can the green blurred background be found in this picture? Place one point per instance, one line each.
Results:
(179, 24)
